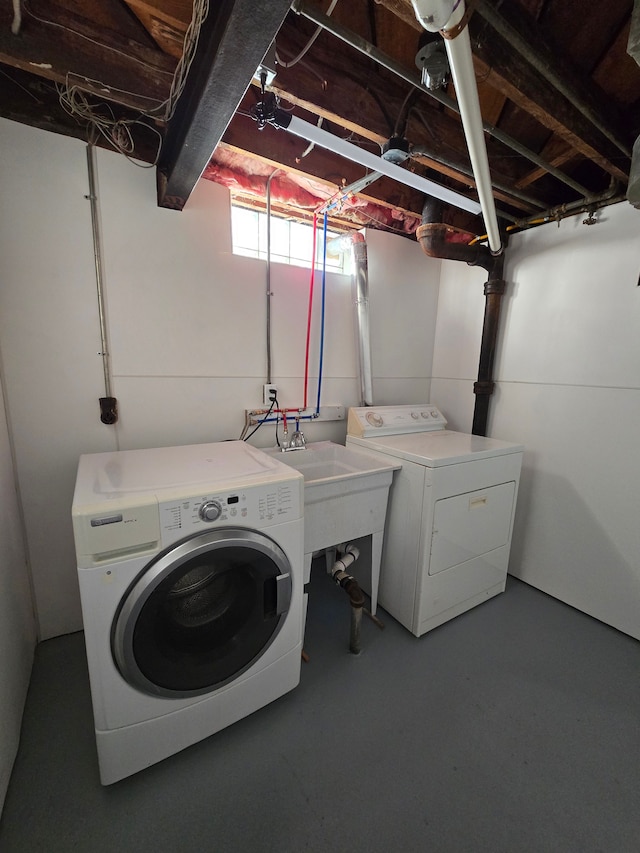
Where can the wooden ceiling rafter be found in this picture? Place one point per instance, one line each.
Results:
(166, 25)
(353, 109)
(103, 67)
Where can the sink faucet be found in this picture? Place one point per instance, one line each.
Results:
(298, 441)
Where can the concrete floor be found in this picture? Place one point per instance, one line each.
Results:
(515, 727)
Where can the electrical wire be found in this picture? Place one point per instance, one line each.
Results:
(101, 44)
(191, 38)
(309, 44)
(100, 117)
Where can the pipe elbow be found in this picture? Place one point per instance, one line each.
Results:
(432, 236)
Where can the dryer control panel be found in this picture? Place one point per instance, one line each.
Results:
(368, 421)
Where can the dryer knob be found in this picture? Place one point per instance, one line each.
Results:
(210, 511)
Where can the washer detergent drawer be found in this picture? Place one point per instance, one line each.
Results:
(469, 525)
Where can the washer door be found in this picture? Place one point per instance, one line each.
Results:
(202, 612)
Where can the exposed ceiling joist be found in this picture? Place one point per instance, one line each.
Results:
(559, 95)
(518, 77)
(60, 46)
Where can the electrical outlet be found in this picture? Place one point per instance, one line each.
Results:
(269, 394)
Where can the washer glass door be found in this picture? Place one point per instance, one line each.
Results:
(202, 612)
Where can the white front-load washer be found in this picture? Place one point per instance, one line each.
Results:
(190, 564)
(450, 516)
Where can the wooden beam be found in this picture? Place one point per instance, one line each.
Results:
(233, 41)
(403, 10)
(557, 153)
(166, 25)
(508, 71)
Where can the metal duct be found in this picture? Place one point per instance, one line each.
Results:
(357, 246)
(108, 403)
(360, 284)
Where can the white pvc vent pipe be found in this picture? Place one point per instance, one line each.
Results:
(430, 14)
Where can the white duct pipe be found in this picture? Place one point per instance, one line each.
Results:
(430, 13)
(361, 301)
(330, 142)
(356, 244)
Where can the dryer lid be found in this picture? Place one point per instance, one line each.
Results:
(438, 448)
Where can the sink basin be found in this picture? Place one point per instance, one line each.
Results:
(326, 463)
(345, 498)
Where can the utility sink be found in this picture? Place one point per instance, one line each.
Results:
(329, 465)
(345, 498)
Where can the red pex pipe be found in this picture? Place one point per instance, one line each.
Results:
(310, 311)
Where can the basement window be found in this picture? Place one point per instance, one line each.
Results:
(291, 240)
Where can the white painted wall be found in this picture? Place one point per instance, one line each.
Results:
(17, 624)
(49, 336)
(403, 286)
(568, 387)
(187, 322)
(187, 331)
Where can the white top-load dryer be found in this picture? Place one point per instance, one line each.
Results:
(190, 563)
(450, 515)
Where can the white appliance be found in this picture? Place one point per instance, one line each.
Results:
(190, 563)
(450, 515)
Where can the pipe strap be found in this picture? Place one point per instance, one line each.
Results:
(455, 31)
(495, 285)
(484, 388)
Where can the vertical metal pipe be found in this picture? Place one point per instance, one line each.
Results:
(494, 289)
(361, 302)
(355, 630)
(97, 257)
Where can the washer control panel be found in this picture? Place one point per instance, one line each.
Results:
(257, 506)
(394, 420)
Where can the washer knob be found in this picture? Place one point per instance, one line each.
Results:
(210, 511)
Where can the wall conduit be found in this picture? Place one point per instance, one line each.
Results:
(108, 403)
